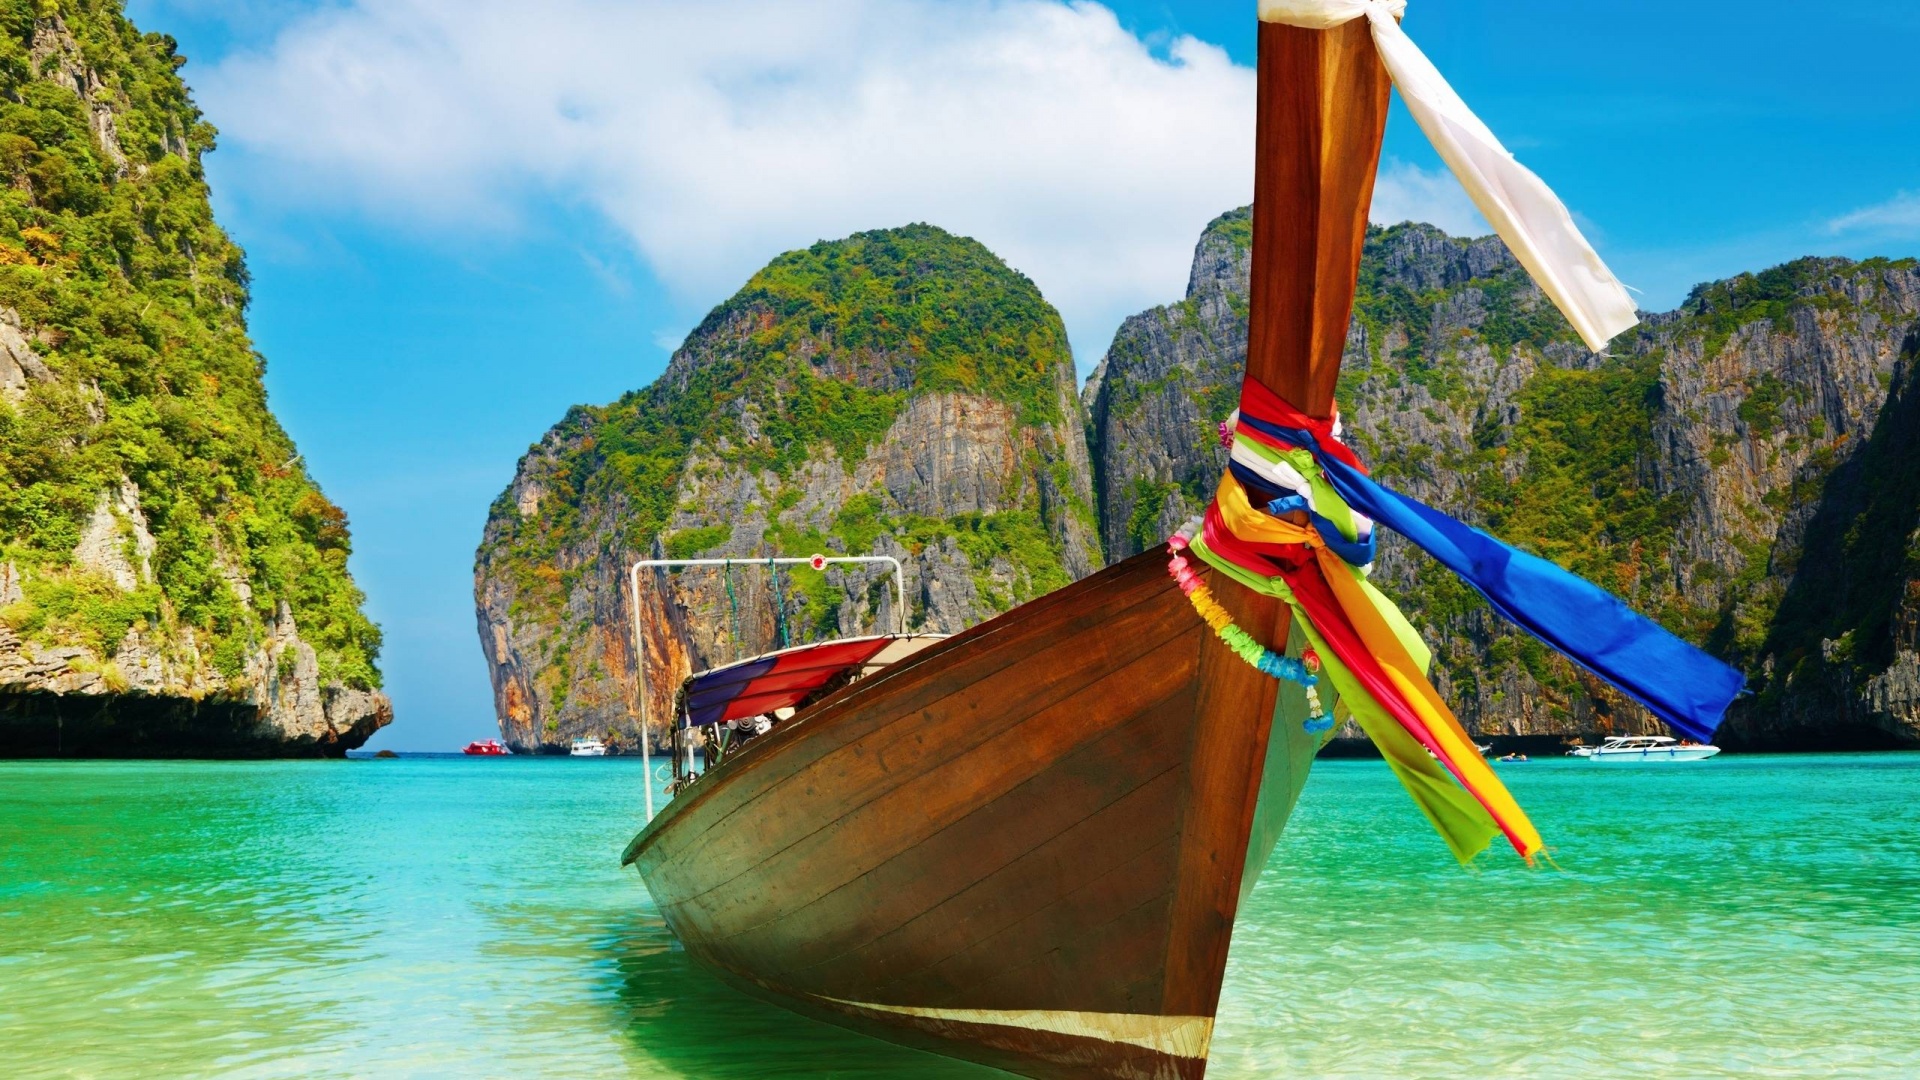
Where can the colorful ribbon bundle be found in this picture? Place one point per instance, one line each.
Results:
(1281, 461)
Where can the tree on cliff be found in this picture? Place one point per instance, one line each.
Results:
(1739, 468)
(900, 392)
(157, 530)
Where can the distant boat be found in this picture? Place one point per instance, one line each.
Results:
(486, 748)
(588, 746)
(1636, 748)
(1516, 759)
(1484, 751)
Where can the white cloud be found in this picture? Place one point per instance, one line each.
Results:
(1407, 192)
(714, 136)
(1898, 215)
(717, 135)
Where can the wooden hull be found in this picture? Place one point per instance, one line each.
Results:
(1024, 846)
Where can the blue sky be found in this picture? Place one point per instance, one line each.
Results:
(462, 218)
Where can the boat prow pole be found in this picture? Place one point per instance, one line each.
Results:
(1322, 112)
(1027, 844)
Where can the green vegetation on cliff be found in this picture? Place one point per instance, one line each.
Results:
(133, 300)
(821, 348)
(1569, 472)
(1580, 500)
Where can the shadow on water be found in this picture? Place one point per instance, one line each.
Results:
(690, 1022)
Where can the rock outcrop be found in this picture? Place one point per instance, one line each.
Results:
(171, 582)
(898, 393)
(1743, 469)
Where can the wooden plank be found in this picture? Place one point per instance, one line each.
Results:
(1126, 941)
(882, 699)
(973, 655)
(999, 910)
(929, 789)
(1017, 965)
(1049, 828)
(847, 777)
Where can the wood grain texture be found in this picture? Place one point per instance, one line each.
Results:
(1058, 833)
(1233, 718)
(1024, 846)
(1322, 111)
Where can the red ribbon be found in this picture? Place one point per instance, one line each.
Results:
(1261, 403)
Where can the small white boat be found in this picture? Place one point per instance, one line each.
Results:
(1484, 751)
(1633, 748)
(588, 746)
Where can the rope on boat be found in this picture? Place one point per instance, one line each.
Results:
(733, 612)
(779, 604)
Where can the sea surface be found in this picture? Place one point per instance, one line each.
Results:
(1749, 916)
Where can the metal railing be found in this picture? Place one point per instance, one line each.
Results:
(817, 562)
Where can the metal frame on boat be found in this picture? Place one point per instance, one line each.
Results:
(634, 608)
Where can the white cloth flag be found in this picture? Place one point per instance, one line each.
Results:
(1519, 206)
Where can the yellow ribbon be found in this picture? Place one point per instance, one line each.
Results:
(1467, 823)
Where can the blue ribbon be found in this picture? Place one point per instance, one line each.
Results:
(1353, 552)
(1674, 680)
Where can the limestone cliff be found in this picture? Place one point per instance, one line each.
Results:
(900, 392)
(1743, 468)
(171, 580)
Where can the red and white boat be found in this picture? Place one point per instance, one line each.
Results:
(486, 748)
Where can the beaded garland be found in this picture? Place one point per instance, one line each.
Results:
(1257, 656)
(1317, 720)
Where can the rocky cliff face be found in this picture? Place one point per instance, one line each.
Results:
(1744, 469)
(171, 581)
(896, 393)
(1155, 399)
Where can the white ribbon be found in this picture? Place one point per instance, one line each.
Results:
(1519, 206)
(1284, 477)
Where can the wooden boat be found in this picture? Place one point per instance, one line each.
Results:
(1025, 845)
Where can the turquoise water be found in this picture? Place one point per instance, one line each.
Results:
(467, 917)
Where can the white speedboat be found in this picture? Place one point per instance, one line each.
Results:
(588, 747)
(1632, 748)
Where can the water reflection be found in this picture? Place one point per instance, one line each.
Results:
(696, 1026)
(1756, 916)
(151, 928)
